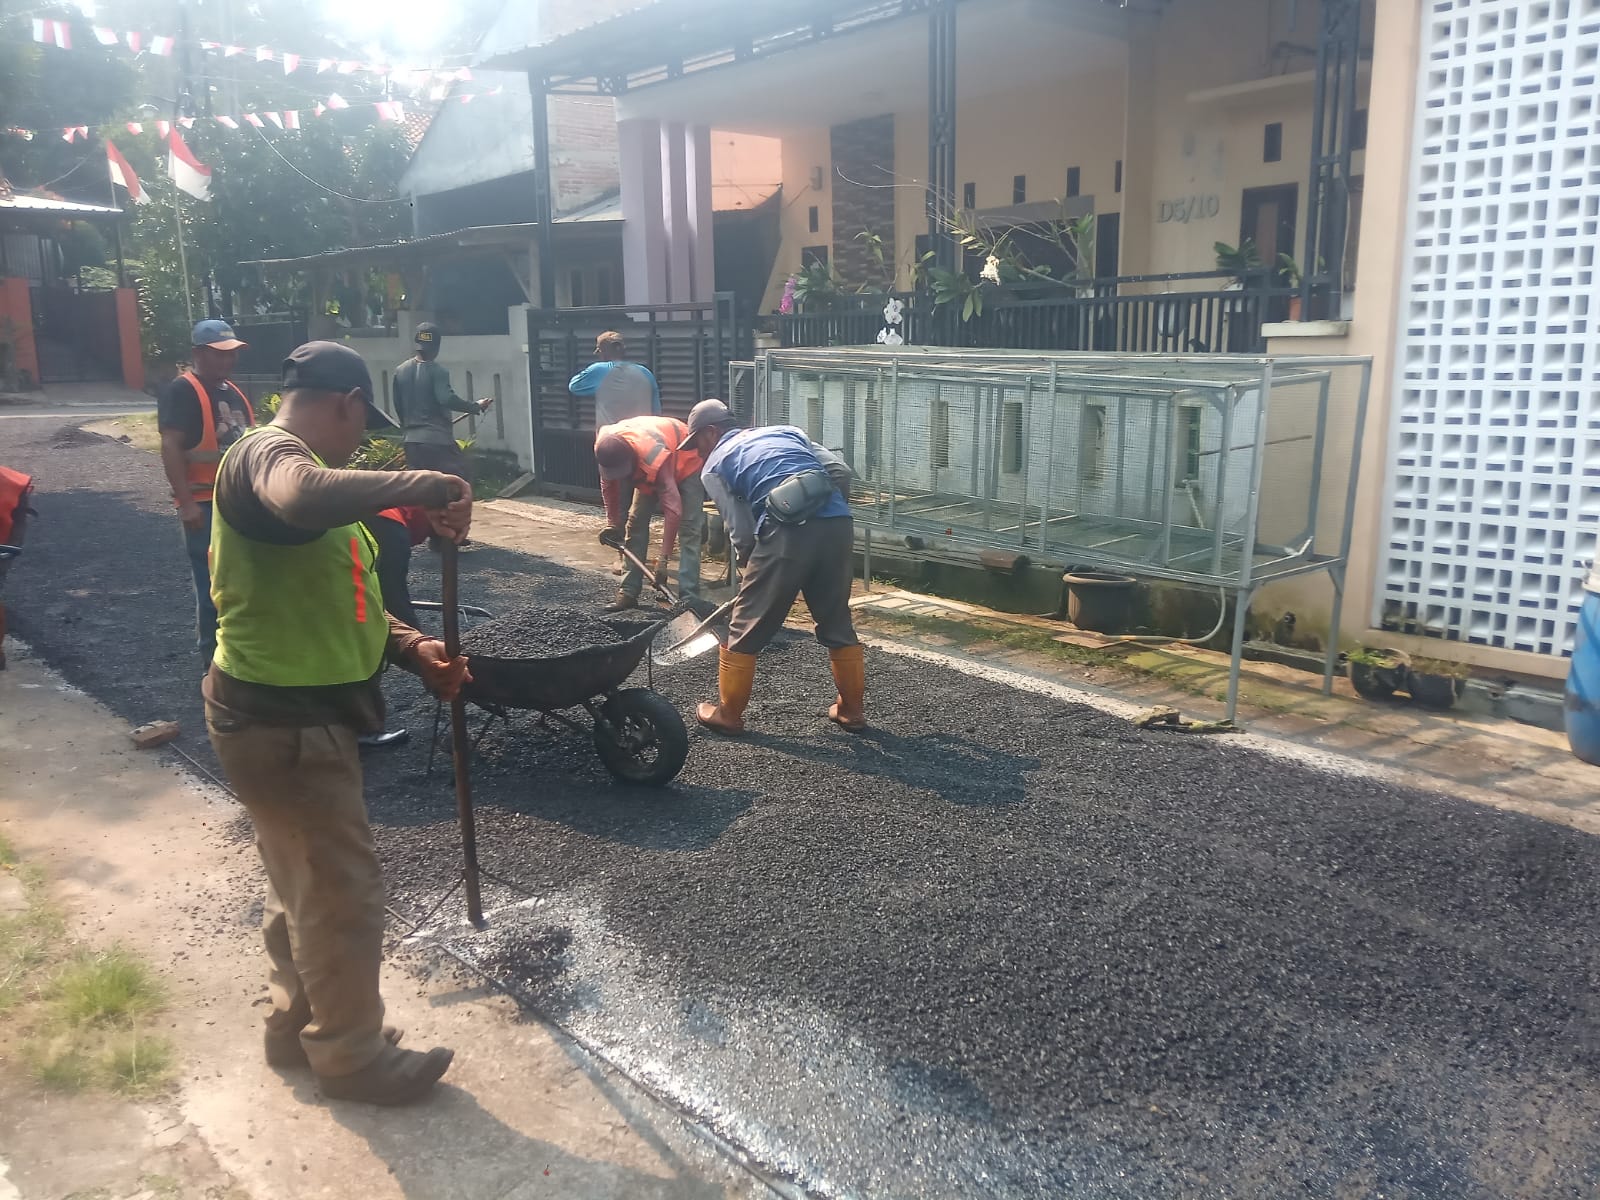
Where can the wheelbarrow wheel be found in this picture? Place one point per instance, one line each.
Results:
(642, 739)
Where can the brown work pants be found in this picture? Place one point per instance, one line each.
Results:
(323, 921)
(814, 560)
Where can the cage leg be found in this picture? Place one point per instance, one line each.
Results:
(1330, 658)
(1241, 607)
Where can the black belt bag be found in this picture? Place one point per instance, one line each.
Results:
(799, 498)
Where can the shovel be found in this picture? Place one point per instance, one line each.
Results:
(691, 636)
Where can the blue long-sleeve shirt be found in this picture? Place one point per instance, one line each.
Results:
(618, 388)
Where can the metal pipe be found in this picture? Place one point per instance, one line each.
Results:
(1330, 655)
(1230, 400)
(1319, 446)
(459, 745)
(1241, 607)
(1049, 463)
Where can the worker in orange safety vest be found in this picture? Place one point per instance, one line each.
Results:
(199, 417)
(645, 464)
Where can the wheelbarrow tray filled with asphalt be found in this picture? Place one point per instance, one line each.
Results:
(638, 734)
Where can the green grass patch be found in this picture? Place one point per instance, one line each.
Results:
(105, 987)
(135, 1063)
(75, 1018)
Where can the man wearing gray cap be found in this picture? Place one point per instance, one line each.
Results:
(302, 639)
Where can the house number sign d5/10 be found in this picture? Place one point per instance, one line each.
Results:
(1189, 208)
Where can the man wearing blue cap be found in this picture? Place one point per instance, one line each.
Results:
(199, 417)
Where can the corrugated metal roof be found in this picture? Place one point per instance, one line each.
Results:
(46, 206)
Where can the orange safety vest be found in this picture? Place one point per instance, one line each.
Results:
(655, 442)
(200, 463)
(15, 487)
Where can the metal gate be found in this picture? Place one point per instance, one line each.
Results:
(76, 335)
(686, 346)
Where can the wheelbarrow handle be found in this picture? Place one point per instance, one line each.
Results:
(7, 553)
(468, 610)
(648, 573)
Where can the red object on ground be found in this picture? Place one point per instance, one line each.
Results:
(14, 489)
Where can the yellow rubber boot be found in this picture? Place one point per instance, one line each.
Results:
(849, 665)
(736, 675)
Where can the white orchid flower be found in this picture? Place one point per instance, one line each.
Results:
(892, 312)
(991, 270)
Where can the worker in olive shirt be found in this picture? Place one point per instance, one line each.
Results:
(302, 638)
(200, 415)
(424, 400)
(783, 499)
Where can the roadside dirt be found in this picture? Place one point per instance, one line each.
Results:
(141, 856)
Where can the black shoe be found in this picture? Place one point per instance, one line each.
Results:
(394, 1077)
(622, 603)
(377, 741)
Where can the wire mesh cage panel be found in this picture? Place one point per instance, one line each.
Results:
(1206, 469)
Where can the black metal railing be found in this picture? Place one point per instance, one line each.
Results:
(1107, 315)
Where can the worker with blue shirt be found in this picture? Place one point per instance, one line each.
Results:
(621, 389)
(783, 500)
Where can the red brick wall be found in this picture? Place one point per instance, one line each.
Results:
(583, 162)
(16, 307)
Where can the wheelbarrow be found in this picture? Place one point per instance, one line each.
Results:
(637, 733)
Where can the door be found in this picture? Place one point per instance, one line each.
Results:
(1267, 218)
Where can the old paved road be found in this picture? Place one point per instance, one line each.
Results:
(1001, 946)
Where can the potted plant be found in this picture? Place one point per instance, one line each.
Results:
(1290, 270)
(1376, 672)
(1435, 683)
(1241, 262)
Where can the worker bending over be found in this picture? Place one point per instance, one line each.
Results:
(647, 463)
(301, 643)
(782, 497)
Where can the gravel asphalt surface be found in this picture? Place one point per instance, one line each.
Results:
(997, 946)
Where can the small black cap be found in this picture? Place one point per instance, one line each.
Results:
(427, 334)
(331, 367)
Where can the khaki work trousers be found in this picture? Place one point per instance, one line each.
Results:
(323, 921)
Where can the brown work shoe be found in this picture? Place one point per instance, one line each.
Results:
(394, 1077)
(622, 603)
(284, 1050)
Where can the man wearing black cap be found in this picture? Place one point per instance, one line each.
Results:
(424, 400)
(201, 414)
(302, 639)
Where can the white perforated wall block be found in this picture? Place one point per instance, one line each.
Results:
(1494, 474)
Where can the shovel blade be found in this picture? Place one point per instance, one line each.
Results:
(681, 643)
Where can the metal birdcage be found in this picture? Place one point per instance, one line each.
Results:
(1211, 470)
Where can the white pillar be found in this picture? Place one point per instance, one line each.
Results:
(702, 251)
(644, 237)
(675, 210)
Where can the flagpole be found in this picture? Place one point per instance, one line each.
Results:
(183, 256)
(116, 227)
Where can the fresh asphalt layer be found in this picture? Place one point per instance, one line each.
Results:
(1000, 945)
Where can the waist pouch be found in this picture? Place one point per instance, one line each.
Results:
(799, 498)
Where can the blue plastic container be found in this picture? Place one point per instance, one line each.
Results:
(1583, 684)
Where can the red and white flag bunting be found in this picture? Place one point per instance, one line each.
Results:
(227, 122)
(106, 37)
(250, 119)
(337, 101)
(162, 45)
(291, 119)
(275, 118)
(135, 41)
(135, 126)
(73, 132)
(390, 110)
(290, 63)
(53, 33)
(163, 128)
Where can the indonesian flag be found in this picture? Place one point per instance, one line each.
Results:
(187, 171)
(291, 119)
(227, 122)
(52, 33)
(163, 128)
(338, 101)
(275, 118)
(163, 46)
(263, 54)
(134, 40)
(324, 64)
(122, 175)
(252, 119)
(106, 37)
(73, 132)
(186, 122)
(135, 126)
(348, 67)
(291, 63)
(230, 51)
(319, 109)
(390, 110)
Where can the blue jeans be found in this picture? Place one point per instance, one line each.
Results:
(198, 544)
